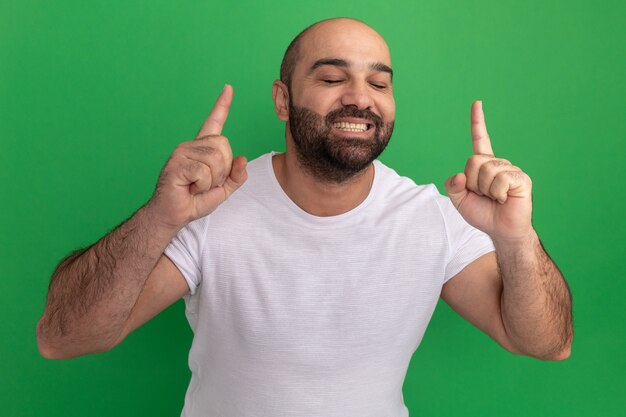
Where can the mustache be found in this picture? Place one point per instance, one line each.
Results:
(352, 111)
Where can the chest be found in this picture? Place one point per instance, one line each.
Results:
(311, 295)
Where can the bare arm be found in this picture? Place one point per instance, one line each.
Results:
(524, 305)
(519, 296)
(99, 295)
(536, 301)
(92, 292)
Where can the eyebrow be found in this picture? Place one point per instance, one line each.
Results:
(337, 62)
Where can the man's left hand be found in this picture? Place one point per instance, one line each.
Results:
(491, 194)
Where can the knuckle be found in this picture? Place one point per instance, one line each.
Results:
(474, 159)
(218, 143)
(191, 166)
(198, 169)
(213, 139)
(205, 138)
(222, 139)
(485, 173)
(498, 163)
(178, 152)
(493, 167)
(173, 164)
(500, 179)
(470, 164)
(219, 157)
(489, 170)
(504, 176)
(204, 150)
(513, 177)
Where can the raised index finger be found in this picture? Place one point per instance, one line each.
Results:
(480, 138)
(215, 122)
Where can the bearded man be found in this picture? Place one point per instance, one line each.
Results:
(310, 276)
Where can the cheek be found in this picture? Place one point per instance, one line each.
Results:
(389, 109)
(320, 102)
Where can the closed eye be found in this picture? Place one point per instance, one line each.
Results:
(332, 81)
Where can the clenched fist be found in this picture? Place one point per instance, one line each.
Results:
(200, 174)
(491, 194)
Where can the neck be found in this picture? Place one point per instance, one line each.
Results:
(318, 197)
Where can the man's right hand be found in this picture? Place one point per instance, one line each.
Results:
(200, 174)
(98, 295)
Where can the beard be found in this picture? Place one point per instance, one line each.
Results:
(335, 159)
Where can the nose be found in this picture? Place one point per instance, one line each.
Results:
(357, 94)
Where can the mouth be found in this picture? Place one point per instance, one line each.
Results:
(353, 126)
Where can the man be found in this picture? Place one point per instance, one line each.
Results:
(310, 286)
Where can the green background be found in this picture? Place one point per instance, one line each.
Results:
(95, 95)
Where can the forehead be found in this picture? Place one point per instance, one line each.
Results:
(354, 42)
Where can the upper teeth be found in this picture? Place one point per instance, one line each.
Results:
(351, 127)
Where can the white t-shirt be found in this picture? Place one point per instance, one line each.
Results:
(304, 316)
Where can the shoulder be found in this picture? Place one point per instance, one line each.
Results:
(259, 169)
(259, 183)
(393, 187)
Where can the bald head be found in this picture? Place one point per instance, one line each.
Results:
(322, 32)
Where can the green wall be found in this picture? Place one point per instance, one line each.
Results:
(95, 95)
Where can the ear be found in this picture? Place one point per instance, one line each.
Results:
(280, 94)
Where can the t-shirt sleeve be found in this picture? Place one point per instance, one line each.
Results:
(185, 251)
(466, 243)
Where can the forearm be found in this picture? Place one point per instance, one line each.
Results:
(92, 293)
(536, 301)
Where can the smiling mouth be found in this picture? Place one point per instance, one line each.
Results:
(352, 127)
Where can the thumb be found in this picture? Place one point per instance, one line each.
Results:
(455, 187)
(238, 175)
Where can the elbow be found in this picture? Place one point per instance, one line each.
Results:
(546, 353)
(45, 347)
(565, 354)
(564, 351)
(561, 354)
(57, 348)
(48, 352)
